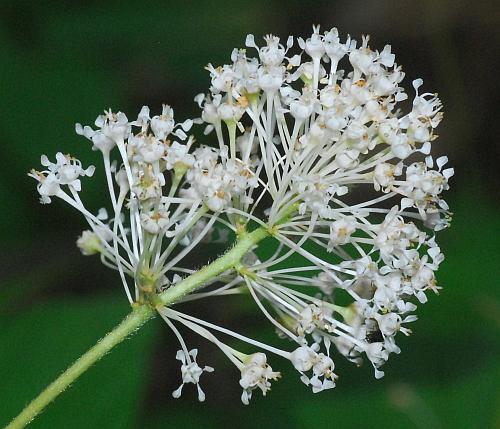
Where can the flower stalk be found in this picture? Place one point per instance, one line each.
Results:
(136, 318)
(139, 315)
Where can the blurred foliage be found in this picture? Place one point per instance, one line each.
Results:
(62, 62)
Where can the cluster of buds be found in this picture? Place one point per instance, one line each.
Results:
(310, 149)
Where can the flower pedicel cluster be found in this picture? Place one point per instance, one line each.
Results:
(312, 154)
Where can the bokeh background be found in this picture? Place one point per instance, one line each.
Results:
(63, 62)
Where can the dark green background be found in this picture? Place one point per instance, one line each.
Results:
(62, 63)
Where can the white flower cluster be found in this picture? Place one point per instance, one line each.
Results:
(311, 149)
(218, 180)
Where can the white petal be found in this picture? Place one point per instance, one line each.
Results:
(177, 393)
(250, 41)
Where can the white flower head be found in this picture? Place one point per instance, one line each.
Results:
(312, 157)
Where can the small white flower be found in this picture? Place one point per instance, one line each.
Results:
(155, 220)
(385, 175)
(162, 125)
(143, 119)
(303, 107)
(273, 53)
(148, 184)
(65, 171)
(146, 148)
(362, 59)
(177, 154)
(101, 142)
(323, 376)
(303, 358)
(347, 159)
(89, 243)
(230, 112)
(341, 231)
(378, 356)
(388, 323)
(48, 185)
(191, 372)
(310, 318)
(114, 126)
(256, 373)
(334, 49)
(314, 45)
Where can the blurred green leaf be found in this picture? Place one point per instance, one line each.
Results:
(467, 403)
(469, 274)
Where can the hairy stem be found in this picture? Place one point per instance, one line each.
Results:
(228, 260)
(132, 322)
(139, 315)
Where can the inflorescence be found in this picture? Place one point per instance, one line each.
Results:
(314, 150)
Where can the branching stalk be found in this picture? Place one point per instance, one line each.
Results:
(139, 315)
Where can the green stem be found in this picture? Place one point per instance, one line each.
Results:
(139, 315)
(228, 260)
(131, 323)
